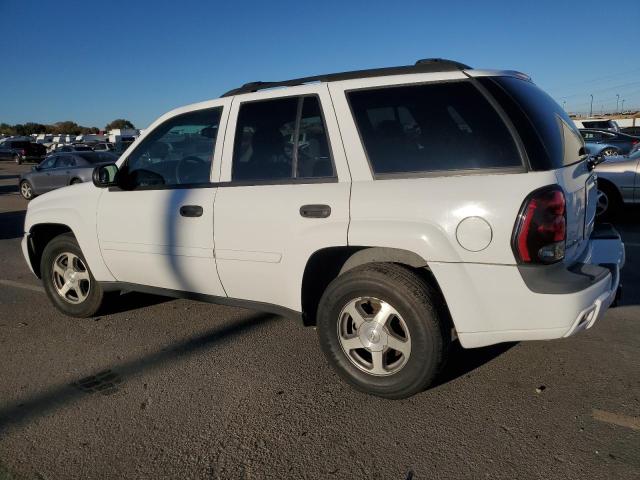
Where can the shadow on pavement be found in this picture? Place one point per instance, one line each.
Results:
(8, 189)
(12, 224)
(58, 396)
(8, 177)
(462, 361)
(131, 301)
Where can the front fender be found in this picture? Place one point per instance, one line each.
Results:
(74, 208)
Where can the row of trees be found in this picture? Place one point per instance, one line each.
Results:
(67, 127)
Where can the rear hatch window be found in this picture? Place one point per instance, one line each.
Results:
(550, 137)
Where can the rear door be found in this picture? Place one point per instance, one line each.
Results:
(283, 194)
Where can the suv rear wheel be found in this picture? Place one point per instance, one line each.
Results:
(67, 279)
(379, 328)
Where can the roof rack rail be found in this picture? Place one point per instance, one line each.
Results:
(425, 65)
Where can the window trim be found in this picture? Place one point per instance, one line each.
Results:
(524, 161)
(298, 120)
(208, 184)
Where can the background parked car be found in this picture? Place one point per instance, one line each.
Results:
(61, 169)
(618, 183)
(22, 151)
(634, 131)
(602, 142)
(600, 124)
(76, 147)
(103, 146)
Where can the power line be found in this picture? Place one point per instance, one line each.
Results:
(615, 87)
(596, 80)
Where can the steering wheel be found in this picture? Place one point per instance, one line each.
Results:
(192, 169)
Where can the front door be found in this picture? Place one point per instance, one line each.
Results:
(157, 228)
(43, 181)
(284, 193)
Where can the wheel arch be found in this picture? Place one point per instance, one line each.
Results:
(610, 184)
(39, 236)
(324, 265)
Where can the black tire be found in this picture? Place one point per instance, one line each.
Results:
(26, 190)
(66, 243)
(418, 305)
(609, 202)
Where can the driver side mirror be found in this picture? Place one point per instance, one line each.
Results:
(105, 175)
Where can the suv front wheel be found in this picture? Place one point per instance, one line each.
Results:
(380, 329)
(67, 279)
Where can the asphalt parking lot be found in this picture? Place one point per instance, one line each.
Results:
(161, 388)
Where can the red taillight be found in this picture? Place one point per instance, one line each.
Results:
(541, 232)
(634, 141)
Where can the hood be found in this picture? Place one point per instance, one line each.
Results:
(63, 197)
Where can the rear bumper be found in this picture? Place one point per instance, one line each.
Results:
(498, 303)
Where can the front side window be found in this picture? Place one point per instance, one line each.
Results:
(178, 152)
(431, 128)
(48, 163)
(281, 139)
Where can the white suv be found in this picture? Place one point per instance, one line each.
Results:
(397, 209)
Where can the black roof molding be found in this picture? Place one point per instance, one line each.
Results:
(425, 65)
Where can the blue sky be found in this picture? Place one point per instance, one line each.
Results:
(91, 62)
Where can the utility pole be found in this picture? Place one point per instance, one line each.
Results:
(564, 105)
(617, 100)
(591, 107)
(622, 105)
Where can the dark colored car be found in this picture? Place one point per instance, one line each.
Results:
(634, 131)
(61, 169)
(604, 142)
(22, 151)
(80, 147)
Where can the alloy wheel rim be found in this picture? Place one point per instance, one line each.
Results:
(602, 203)
(71, 278)
(25, 189)
(608, 152)
(374, 336)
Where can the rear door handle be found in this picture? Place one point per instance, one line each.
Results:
(191, 211)
(315, 211)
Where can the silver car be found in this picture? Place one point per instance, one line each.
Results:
(62, 169)
(618, 183)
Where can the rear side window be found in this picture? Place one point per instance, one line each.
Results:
(281, 139)
(431, 128)
(551, 138)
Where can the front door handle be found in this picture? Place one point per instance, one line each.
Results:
(315, 211)
(191, 211)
